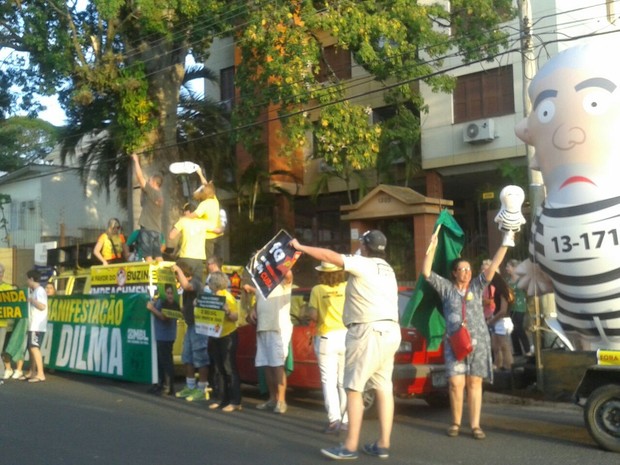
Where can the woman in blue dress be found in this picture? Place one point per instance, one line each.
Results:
(463, 292)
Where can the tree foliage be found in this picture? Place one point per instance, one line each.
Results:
(394, 43)
(25, 140)
(118, 67)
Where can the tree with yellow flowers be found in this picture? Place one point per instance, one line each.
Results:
(284, 72)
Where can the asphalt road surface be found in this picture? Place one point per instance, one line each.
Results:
(81, 420)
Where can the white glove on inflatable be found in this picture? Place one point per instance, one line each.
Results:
(509, 217)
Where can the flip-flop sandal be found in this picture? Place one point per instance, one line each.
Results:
(453, 430)
(24, 378)
(36, 380)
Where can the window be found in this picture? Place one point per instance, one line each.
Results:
(484, 94)
(334, 62)
(227, 87)
(383, 113)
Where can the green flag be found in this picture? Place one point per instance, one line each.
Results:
(424, 309)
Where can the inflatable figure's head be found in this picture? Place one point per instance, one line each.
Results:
(511, 198)
(575, 125)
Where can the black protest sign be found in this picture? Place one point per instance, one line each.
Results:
(271, 263)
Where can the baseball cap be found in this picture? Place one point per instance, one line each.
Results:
(375, 240)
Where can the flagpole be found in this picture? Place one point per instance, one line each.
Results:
(428, 249)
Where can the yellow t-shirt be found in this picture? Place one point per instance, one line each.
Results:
(192, 239)
(329, 303)
(107, 251)
(209, 210)
(229, 326)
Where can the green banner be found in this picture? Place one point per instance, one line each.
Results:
(13, 304)
(102, 335)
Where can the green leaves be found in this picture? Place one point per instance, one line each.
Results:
(394, 43)
(346, 139)
(25, 140)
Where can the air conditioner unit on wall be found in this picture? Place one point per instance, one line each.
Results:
(479, 131)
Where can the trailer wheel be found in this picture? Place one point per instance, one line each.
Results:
(602, 416)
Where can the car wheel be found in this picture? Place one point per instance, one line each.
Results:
(438, 399)
(602, 416)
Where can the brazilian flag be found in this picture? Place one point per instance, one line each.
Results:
(424, 309)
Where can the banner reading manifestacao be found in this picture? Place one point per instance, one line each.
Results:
(101, 335)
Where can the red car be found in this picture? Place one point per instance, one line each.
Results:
(417, 371)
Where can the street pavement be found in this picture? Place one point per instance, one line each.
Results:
(81, 420)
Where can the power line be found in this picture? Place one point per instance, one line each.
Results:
(351, 84)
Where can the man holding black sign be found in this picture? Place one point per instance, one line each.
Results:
(273, 335)
(373, 336)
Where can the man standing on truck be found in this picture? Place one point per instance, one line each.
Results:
(373, 336)
(191, 235)
(152, 202)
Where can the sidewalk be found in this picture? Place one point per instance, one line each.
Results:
(517, 399)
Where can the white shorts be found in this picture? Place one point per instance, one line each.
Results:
(370, 355)
(271, 348)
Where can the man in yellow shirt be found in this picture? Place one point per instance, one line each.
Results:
(191, 234)
(208, 210)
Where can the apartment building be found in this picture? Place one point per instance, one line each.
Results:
(467, 135)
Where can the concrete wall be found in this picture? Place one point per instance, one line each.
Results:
(555, 22)
(16, 263)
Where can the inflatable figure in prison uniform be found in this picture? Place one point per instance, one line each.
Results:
(577, 247)
(575, 128)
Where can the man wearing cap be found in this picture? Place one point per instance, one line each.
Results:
(191, 246)
(373, 336)
(325, 307)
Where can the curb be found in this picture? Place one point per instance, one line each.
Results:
(510, 399)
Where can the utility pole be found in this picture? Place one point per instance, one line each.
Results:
(611, 11)
(536, 186)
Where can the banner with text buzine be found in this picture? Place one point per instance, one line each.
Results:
(271, 263)
(13, 304)
(209, 314)
(102, 335)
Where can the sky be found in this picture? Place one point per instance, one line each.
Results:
(54, 114)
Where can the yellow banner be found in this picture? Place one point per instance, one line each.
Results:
(608, 357)
(120, 275)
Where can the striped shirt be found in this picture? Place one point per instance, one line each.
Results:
(579, 248)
